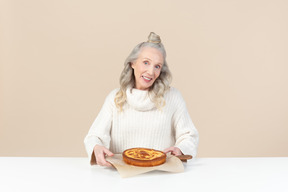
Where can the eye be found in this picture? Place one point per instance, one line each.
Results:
(146, 62)
(157, 66)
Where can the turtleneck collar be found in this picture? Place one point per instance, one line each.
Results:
(139, 99)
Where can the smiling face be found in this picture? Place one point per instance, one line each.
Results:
(147, 67)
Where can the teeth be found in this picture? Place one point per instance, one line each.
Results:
(147, 78)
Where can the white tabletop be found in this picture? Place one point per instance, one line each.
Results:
(201, 174)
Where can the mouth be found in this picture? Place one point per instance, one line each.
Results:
(146, 78)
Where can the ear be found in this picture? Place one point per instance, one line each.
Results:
(132, 64)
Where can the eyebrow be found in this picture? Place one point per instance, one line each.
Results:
(151, 60)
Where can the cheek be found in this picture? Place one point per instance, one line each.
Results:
(138, 69)
(157, 74)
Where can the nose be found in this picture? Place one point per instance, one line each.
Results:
(150, 70)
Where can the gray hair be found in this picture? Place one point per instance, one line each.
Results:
(127, 79)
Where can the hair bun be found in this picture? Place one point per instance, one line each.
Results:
(154, 38)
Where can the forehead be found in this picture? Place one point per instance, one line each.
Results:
(151, 53)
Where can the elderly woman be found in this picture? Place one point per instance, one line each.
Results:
(144, 112)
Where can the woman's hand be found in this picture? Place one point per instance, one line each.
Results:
(100, 153)
(174, 151)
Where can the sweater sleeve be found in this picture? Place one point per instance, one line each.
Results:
(99, 132)
(186, 135)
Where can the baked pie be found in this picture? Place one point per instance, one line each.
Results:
(144, 157)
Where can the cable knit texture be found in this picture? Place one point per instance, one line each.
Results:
(141, 124)
(139, 100)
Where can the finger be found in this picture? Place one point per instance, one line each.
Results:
(100, 159)
(176, 153)
(170, 149)
(107, 164)
(107, 152)
(104, 163)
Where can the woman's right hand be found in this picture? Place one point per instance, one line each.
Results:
(100, 152)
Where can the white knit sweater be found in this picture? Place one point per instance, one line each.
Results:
(141, 124)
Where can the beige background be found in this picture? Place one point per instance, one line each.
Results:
(59, 60)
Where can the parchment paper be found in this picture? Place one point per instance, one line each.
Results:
(172, 164)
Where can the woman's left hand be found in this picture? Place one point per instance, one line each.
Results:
(174, 151)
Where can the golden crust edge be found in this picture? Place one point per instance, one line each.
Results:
(144, 163)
